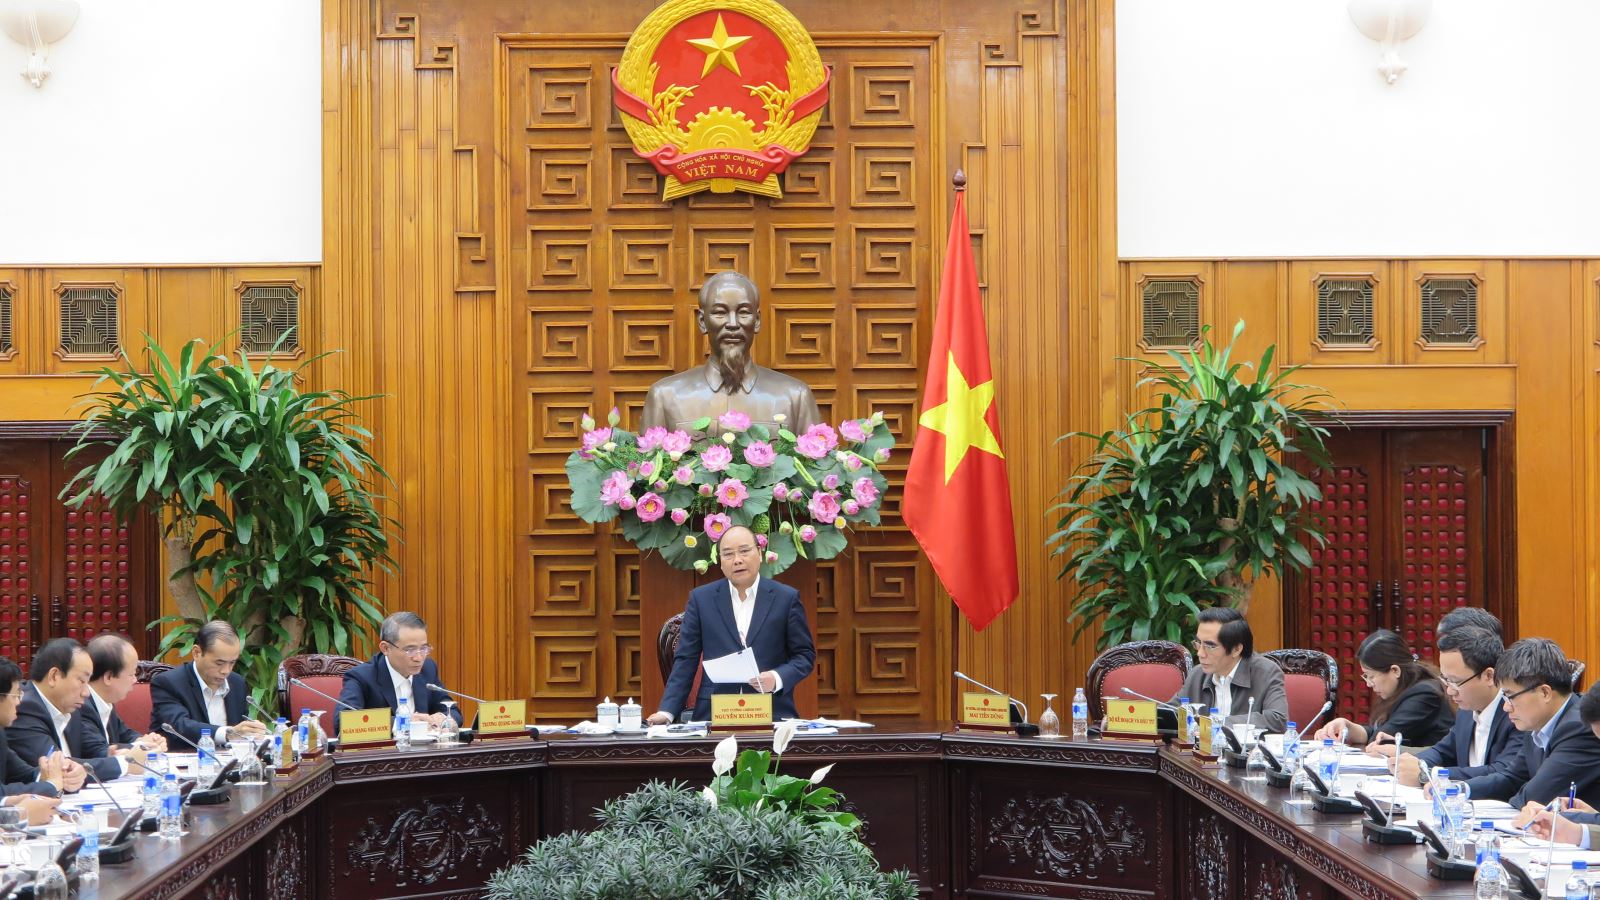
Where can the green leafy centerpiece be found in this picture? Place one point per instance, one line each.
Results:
(679, 491)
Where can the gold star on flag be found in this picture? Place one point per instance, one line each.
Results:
(961, 418)
(719, 48)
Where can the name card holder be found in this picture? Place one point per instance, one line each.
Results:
(1131, 719)
(740, 712)
(982, 711)
(365, 729)
(1204, 749)
(503, 719)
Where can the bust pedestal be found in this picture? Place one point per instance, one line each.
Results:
(663, 591)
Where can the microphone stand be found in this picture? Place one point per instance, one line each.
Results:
(122, 851)
(201, 796)
(298, 683)
(478, 700)
(1024, 728)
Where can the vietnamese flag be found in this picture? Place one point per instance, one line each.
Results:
(958, 499)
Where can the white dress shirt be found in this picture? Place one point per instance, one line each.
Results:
(1222, 687)
(104, 709)
(1483, 725)
(402, 688)
(62, 721)
(216, 708)
(744, 606)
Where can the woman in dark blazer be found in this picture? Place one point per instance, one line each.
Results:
(1410, 698)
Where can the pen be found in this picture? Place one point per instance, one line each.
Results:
(1572, 795)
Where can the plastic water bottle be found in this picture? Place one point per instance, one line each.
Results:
(1291, 756)
(152, 788)
(1441, 783)
(1451, 823)
(1080, 715)
(1578, 881)
(302, 732)
(50, 883)
(1491, 877)
(1191, 724)
(402, 724)
(269, 768)
(1328, 764)
(208, 758)
(1218, 725)
(171, 807)
(88, 862)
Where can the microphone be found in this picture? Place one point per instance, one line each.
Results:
(1147, 697)
(472, 698)
(120, 849)
(1320, 713)
(1014, 701)
(270, 718)
(209, 795)
(298, 682)
(167, 727)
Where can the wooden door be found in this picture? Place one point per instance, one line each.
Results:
(67, 572)
(1405, 514)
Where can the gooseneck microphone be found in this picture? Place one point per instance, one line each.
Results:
(167, 727)
(1014, 701)
(297, 682)
(208, 795)
(1159, 703)
(1320, 713)
(472, 698)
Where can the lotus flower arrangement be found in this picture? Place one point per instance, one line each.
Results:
(678, 492)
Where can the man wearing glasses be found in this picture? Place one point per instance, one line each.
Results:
(742, 610)
(1560, 752)
(1483, 736)
(402, 668)
(1230, 675)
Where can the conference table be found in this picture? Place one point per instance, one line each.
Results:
(970, 814)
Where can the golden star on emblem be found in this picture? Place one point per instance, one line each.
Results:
(719, 48)
(961, 418)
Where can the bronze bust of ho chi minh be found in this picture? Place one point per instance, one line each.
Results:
(730, 316)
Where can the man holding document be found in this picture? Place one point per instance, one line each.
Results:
(760, 623)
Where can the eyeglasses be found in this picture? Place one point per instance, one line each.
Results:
(423, 650)
(1454, 683)
(14, 695)
(1506, 700)
(1205, 646)
(1369, 677)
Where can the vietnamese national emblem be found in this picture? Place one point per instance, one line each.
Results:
(720, 95)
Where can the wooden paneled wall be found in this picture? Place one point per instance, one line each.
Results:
(1537, 355)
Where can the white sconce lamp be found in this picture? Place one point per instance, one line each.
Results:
(36, 24)
(1389, 22)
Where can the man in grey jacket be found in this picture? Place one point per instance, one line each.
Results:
(1230, 674)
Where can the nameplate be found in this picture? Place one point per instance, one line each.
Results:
(365, 727)
(1184, 737)
(985, 710)
(1204, 746)
(503, 717)
(1131, 718)
(741, 710)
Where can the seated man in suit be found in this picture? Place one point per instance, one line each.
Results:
(1230, 674)
(1580, 823)
(205, 692)
(116, 668)
(401, 669)
(741, 610)
(37, 789)
(1483, 735)
(1560, 749)
(48, 718)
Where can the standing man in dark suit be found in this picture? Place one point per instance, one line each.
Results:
(1483, 735)
(742, 610)
(116, 668)
(1230, 673)
(402, 668)
(205, 692)
(1560, 749)
(37, 789)
(48, 718)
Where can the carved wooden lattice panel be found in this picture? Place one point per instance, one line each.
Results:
(269, 318)
(1344, 312)
(89, 322)
(17, 576)
(608, 275)
(6, 295)
(1434, 555)
(1340, 579)
(1450, 312)
(1171, 314)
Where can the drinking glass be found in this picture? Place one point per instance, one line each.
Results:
(1049, 722)
(12, 823)
(448, 732)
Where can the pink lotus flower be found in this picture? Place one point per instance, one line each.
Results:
(680, 516)
(864, 491)
(760, 454)
(761, 540)
(650, 508)
(812, 446)
(772, 557)
(830, 481)
(683, 475)
(733, 420)
(882, 456)
(851, 430)
(824, 506)
(808, 533)
(592, 441)
(676, 443)
(826, 432)
(717, 525)
(705, 490)
(732, 493)
(652, 438)
(780, 491)
(716, 458)
(633, 469)
(647, 469)
(852, 462)
(627, 502)
(851, 508)
(659, 487)
(616, 486)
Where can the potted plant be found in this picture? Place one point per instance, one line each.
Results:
(752, 833)
(260, 489)
(1193, 498)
